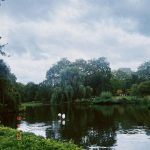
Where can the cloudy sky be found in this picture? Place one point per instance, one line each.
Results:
(40, 32)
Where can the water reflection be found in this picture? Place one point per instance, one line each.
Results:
(122, 127)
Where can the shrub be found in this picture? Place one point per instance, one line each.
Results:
(134, 90)
(105, 98)
(106, 95)
(29, 141)
(144, 88)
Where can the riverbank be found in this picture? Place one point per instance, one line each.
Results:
(119, 100)
(23, 106)
(11, 139)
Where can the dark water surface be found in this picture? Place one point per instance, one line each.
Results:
(114, 127)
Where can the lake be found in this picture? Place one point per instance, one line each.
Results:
(112, 127)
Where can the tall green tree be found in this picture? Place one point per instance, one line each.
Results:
(98, 75)
(69, 93)
(122, 80)
(43, 93)
(58, 96)
(53, 74)
(30, 91)
(9, 96)
(71, 77)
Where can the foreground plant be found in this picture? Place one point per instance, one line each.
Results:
(11, 139)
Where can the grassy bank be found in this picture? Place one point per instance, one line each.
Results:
(23, 106)
(29, 141)
(122, 100)
(113, 100)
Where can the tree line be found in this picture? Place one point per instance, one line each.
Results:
(10, 97)
(68, 82)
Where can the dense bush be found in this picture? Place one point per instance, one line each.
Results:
(134, 90)
(144, 88)
(106, 95)
(8, 141)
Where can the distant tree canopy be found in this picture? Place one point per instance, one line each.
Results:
(53, 74)
(76, 78)
(121, 80)
(144, 71)
(30, 91)
(98, 75)
(68, 82)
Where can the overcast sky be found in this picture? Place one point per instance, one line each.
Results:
(40, 32)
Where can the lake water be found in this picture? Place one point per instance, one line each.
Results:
(112, 127)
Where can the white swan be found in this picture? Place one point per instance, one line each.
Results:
(63, 116)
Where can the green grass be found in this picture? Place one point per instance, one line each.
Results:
(29, 141)
(30, 104)
(117, 100)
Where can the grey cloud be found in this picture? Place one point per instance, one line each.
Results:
(31, 9)
(135, 10)
(47, 30)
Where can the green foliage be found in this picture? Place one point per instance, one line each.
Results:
(30, 91)
(115, 85)
(43, 93)
(79, 79)
(134, 90)
(69, 93)
(89, 92)
(98, 75)
(106, 95)
(144, 88)
(82, 91)
(99, 100)
(9, 95)
(71, 76)
(8, 141)
(122, 79)
(94, 73)
(71, 81)
(123, 73)
(53, 74)
(144, 71)
(57, 96)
